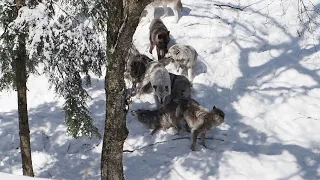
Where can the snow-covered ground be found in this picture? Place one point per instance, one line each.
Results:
(252, 64)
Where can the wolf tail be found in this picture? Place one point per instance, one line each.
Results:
(179, 6)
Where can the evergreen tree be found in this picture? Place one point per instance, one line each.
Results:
(15, 68)
(64, 40)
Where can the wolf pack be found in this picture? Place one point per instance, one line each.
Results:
(171, 91)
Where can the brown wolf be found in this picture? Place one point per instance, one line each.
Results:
(199, 119)
(159, 36)
(163, 118)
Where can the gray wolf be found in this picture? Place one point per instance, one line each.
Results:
(163, 118)
(159, 36)
(177, 7)
(180, 88)
(136, 67)
(184, 57)
(157, 77)
(199, 119)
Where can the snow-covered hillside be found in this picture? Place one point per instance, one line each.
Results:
(252, 64)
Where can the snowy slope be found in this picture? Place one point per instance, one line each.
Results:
(252, 64)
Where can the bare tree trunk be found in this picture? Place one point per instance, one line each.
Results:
(21, 82)
(122, 22)
(24, 131)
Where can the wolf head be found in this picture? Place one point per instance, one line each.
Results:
(161, 85)
(142, 115)
(162, 39)
(174, 53)
(146, 117)
(180, 87)
(218, 112)
(162, 93)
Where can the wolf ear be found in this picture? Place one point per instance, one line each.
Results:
(214, 107)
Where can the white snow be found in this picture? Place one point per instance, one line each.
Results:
(252, 64)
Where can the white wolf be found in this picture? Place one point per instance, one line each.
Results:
(199, 119)
(184, 57)
(177, 7)
(158, 76)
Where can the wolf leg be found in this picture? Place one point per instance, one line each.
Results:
(190, 74)
(187, 127)
(178, 127)
(151, 47)
(203, 138)
(165, 8)
(155, 130)
(194, 135)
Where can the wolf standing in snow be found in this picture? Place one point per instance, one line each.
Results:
(159, 37)
(158, 77)
(136, 67)
(163, 118)
(199, 119)
(177, 7)
(184, 57)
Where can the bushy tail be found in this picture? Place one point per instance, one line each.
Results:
(179, 6)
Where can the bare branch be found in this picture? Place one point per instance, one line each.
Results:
(160, 142)
(232, 7)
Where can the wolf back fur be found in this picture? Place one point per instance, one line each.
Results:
(163, 118)
(159, 37)
(199, 119)
(184, 57)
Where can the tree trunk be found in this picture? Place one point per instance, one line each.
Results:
(21, 82)
(123, 18)
(24, 132)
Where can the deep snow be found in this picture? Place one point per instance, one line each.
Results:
(252, 64)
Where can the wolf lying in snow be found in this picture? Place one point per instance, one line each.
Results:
(184, 57)
(163, 118)
(177, 7)
(159, 37)
(199, 119)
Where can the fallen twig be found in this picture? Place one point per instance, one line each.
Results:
(159, 142)
(229, 6)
